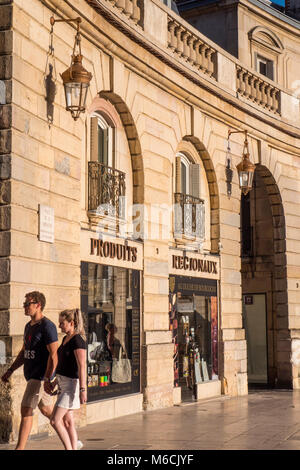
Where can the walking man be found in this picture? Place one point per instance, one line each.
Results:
(39, 357)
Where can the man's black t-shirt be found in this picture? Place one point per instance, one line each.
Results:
(67, 364)
(36, 339)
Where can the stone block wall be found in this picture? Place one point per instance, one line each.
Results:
(40, 161)
(6, 50)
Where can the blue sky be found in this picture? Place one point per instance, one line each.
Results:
(279, 2)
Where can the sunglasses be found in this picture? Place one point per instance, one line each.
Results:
(26, 304)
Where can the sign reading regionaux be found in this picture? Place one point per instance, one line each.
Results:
(185, 263)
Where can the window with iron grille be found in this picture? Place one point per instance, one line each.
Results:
(106, 184)
(189, 213)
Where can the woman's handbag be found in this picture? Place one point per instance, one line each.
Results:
(121, 369)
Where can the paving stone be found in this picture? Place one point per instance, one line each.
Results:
(262, 420)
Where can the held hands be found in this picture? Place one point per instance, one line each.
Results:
(49, 386)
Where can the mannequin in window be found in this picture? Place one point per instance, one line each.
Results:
(113, 344)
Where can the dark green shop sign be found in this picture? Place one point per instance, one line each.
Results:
(190, 285)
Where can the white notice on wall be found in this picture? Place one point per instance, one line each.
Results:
(46, 224)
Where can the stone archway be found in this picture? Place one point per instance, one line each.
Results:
(133, 142)
(264, 272)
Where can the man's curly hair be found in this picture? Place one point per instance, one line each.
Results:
(37, 297)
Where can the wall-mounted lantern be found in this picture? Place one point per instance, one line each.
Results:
(76, 79)
(245, 168)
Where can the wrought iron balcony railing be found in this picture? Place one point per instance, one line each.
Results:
(189, 217)
(106, 190)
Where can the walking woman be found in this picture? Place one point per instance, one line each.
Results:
(70, 377)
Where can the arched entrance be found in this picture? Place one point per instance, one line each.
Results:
(264, 283)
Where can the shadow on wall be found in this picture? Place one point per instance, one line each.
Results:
(50, 87)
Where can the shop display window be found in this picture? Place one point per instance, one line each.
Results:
(111, 308)
(194, 325)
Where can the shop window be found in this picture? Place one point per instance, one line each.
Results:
(189, 207)
(111, 308)
(194, 325)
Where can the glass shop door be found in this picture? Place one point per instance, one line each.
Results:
(195, 345)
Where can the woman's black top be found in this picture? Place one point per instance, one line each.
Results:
(67, 364)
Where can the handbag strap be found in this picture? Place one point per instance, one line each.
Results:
(120, 352)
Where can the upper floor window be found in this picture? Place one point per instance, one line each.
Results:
(189, 207)
(187, 176)
(265, 66)
(106, 193)
(266, 51)
(102, 141)
(172, 5)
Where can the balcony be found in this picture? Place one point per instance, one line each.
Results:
(106, 191)
(189, 217)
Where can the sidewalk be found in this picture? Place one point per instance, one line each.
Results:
(263, 420)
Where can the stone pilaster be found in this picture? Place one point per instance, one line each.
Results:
(158, 348)
(5, 211)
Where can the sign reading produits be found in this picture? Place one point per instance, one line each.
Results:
(107, 249)
(102, 248)
(46, 223)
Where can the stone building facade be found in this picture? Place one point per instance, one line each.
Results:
(147, 229)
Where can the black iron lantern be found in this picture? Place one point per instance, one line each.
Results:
(245, 168)
(76, 79)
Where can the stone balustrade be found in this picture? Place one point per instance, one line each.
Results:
(191, 48)
(129, 8)
(258, 90)
(166, 30)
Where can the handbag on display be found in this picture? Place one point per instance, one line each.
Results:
(100, 353)
(121, 369)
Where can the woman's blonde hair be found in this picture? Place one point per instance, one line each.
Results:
(74, 315)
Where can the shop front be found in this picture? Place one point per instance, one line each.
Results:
(110, 303)
(193, 315)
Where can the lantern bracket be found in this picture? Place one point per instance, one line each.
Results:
(78, 20)
(76, 78)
